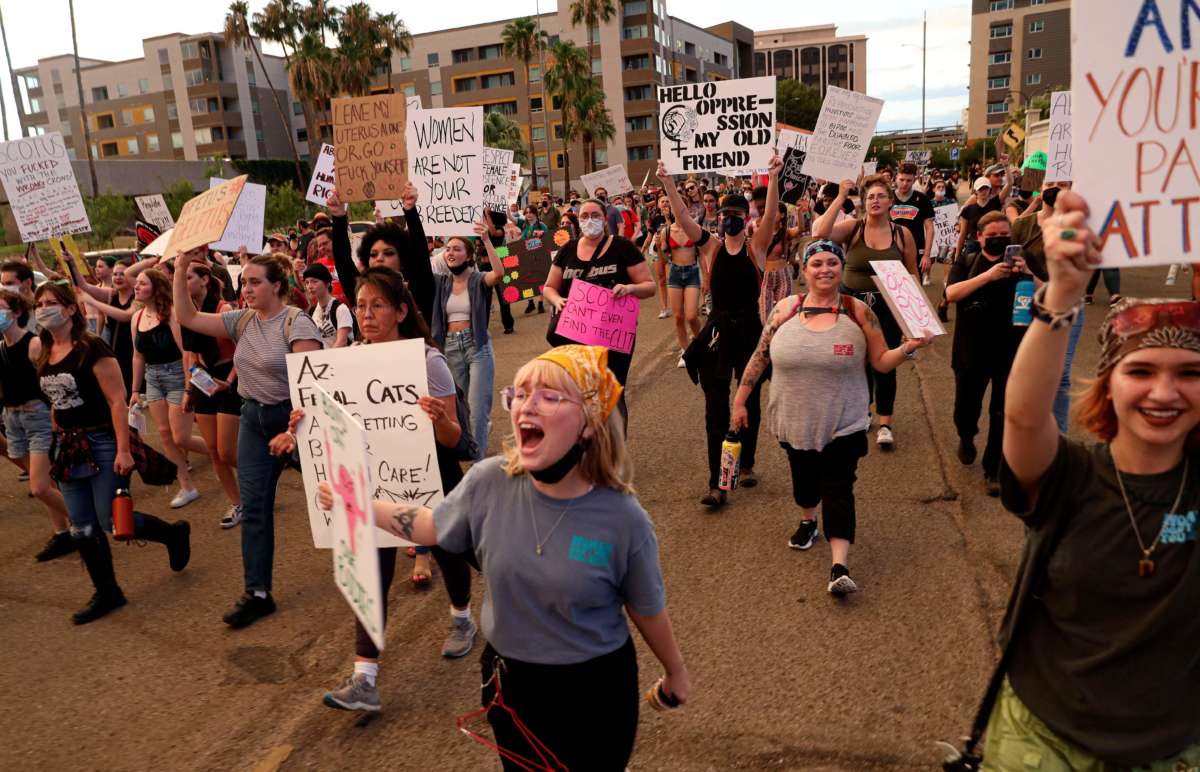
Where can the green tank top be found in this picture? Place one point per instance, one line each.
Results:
(857, 273)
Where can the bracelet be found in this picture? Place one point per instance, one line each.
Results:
(1056, 319)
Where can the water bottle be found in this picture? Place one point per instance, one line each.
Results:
(731, 455)
(122, 515)
(1023, 302)
(137, 419)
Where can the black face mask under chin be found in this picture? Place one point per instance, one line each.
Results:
(560, 468)
(458, 269)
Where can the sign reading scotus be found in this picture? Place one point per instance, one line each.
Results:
(710, 127)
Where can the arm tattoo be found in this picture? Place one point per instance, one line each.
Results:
(402, 522)
(762, 355)
(872, 319)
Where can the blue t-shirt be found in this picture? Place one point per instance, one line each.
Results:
(564, 606)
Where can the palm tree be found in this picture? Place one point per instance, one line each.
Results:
(87, 133)
(564, 78)
(279, 22)
(237, 33)
(393, 36)
(312, 77)
(503, 133)
(594, 121)
(357, 51)
(522, 41)
(593, 13)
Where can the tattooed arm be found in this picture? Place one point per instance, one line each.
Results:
(759, 361)
(883, 359)
(409, 522)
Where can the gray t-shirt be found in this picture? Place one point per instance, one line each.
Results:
(564, 606)
(261, 354)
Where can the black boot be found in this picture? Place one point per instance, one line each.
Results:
(97, 558)
(60, 544)
(176, 536)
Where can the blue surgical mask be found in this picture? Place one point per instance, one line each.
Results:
(6, 319)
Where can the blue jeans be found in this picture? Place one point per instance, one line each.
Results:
(474, 370)
(258, 474)
(1062, 398)
(89, 495)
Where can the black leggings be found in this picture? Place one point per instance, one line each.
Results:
(881, 386)
(716, 423)
(969, 387)
(456, 573)
(586, 714)
(827, 477)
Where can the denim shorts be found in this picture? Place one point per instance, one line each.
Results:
(165, 382)
(28, 429)
(683, 276)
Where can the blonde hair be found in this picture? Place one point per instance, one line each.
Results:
(606, 461)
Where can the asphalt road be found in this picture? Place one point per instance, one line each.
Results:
(783, 676)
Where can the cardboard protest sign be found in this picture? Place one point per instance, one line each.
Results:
(445, 162)
(790, 136)
(593, 317)
(840, 141)
(918, 157)
(793, 183)
(41, 187)
(945, 220)
(614, 180)
(355, 553)
(1058, 159)
(204, 217)
(245, 226)
(1133, 90)
(515, 183)
(404, 466)
(154, 211)
(710, 127)
(323, 179)
(869, 167)
(906, 299)
(64, 249)
(370, 155)
(526, 265)
(497, 177)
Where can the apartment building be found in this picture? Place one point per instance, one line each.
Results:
(188, 97)
(816, 56)
(1020, 49)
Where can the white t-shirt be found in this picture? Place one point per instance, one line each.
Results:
(329, 327)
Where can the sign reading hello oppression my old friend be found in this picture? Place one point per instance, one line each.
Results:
(717, 125)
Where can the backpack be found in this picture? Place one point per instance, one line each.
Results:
(333, 309)
(244, 321)
(847, 309)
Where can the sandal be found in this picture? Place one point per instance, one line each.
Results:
(715, 498)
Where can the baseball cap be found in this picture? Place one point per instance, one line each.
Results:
(982, 182)
(994, 169)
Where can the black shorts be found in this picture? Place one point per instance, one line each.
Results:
(227, 402)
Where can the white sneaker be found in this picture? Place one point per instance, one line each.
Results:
(663, 314)
(184, 497)
(233, 516)
(681, 363)
(884, 438)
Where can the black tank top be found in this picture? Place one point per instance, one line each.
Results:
(122, 343)
(157, 345)
(18, 376)
(735, 281)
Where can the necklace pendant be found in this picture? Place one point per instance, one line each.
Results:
(1145, 567)
(539, 550)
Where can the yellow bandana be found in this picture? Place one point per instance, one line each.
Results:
(588, 368)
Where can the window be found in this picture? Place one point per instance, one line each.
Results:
(163, 56)
(634, 8)
(100, 93)
(994, 131)
(1033, 78)
(410, 90)
(203, 136)
(432, 60)
(600, 155)
(464, 84)
(255, 107)
(1003, 57)
(661, 65)
(109, 149)
(637, 62)
(143, 85)
(1001, 31)
(1000, 5)
(435, 88)
(122, 90)
(504, 108)
(148, 114)
(558, 160)
(535, 73)
(555, 102)
(152, 143)
(1037, 26)
(127, 117)
(405, 64)
(198, 105)
(250, 77)
(104, 121)
(58, 89)
(131, 145)
(597, 67)
(498, 80)
(258, 136)
(1037, 2)
(176, 140)
(194, 77)
(596, 35)
(32, 82)
(558, 131)
(36, 131)
(190, 51)
(172, 111)
(641, 153)
(639, 123)
(997, 107)
(35, 105)
(538, 133)
(999, 82)
(1035, 53)
(543, 163)
(690, 75)
(689, 48)
(489, 52)
(636, 32)
(720, 58)
(301, 135)
(463, 55)
(297, 108)
(168, 84)
(638, 93)
(535, 104)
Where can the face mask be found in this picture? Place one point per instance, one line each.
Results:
(50, 318)
(458, 269)
(939, 192)
(560, 468)
(593, 229)
(6, 319)
(994, 245)
(732, 226)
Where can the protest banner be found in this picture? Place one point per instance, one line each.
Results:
(906, 299)
(370, 155)
(497, 177)
(945, 218)
(526, 265)
(515, 183)
(792, 182)
(404, 466)
(593, 317)
(918, 157)
(1058, 161)
(323, 178)
(718, 125)
(1134, 86)
(445, 162)
(614, 180)
(41, 187)
(355, 552)
(65, 249)
(245, 226)
(204, 217)
(842, 136)
(154, 211)
(790, 136)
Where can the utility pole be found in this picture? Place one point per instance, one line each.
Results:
(87, 134)
(12, 80)
(547, 101)
(923, 26)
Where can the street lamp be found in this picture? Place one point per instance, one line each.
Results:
(922, 47)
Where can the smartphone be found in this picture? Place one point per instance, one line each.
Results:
(1011, 253)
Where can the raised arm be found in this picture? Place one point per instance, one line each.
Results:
(132, 271)
(185, 309)
(103, 294)
(824, 227)
(496, 275)
(411, 523)
(678, 207)
(766, 228)
(339, 237)
(120, 314)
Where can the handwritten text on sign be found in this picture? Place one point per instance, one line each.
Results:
(203, 218)
(154, 210)
(842, 135)
(41, 188)
(369, 146)
(322, 181)
(593, 317)
(1058, 159)
(445, 162)
(245, 226)
(906, 299)
(497, 177)
(404, 465)
(355, 554)
(945, 222)
(717, 125)
(1133, 106)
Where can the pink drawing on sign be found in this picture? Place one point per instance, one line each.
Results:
(511, 295)
(344, 486)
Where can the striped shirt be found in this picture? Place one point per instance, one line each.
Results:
(261, 355)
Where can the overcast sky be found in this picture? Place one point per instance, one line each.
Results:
(114, 29)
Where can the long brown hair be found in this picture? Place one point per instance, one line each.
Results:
(390, 285)
(212, 286)
(161, 299)
(65, 296)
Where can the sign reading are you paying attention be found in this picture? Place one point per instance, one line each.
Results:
(719, 125)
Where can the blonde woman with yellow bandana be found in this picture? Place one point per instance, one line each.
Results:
(566, 551)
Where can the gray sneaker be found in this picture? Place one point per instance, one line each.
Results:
(355, 694)
(461, 638)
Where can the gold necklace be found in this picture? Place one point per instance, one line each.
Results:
(1146, 565)
(538, 541)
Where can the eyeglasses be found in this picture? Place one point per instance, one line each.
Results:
(544, 402)
(1147, 316)
(592, 216)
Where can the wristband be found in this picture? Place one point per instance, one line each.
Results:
(1056, 319)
